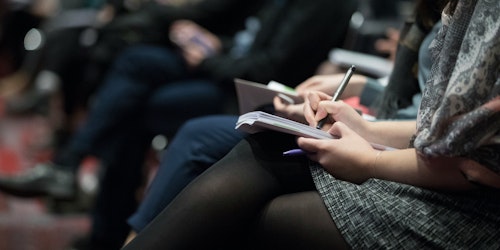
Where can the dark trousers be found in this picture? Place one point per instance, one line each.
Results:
(198, 144)
(147, 91)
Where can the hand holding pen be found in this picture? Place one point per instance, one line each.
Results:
(336, 96)
(338, 92)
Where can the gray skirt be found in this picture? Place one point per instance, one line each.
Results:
(387, 215)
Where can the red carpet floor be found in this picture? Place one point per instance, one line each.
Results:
(31, 223)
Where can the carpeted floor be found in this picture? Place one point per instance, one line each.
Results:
(35, 223)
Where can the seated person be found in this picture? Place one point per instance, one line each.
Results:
(153, 89)
(344, 194)
(202, 141)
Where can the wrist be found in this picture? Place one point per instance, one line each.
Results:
(365, 129)
(373, 167)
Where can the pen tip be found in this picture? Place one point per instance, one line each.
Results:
(353, 68)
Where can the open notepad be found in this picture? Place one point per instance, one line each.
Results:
(256, 121)
(253, 95)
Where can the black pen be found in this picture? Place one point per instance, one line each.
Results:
(339, 91)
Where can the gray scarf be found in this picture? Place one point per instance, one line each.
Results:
(460, 110)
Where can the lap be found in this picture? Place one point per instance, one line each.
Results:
(175, 103)
(297, 221)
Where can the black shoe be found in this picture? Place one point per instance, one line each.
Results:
(32, 102)
(42, 180)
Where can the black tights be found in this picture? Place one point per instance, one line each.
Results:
(254, 198)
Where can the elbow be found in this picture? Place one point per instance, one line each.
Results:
(479, 175)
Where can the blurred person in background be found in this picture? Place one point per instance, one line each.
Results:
(128, 29)
(153, 89)
(201, 142)
(344, 194)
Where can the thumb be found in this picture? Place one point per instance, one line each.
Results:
(308, 144)
(339, 130)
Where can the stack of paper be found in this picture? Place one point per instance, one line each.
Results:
(257, 121)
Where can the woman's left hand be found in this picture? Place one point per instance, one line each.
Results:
(350, 157)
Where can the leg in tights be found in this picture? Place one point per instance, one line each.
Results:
(297, 221)
(220, 207)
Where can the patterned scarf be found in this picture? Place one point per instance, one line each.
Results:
(460, 111)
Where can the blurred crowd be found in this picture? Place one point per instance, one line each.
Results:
(112, 75)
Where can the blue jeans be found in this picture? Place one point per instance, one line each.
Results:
(147, 91)
(197, 145)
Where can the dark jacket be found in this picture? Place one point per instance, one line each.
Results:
(222, 17)
(295, 36)
(150, 24)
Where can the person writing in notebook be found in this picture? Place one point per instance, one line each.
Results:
(345, 194)
(201, 142)
(153, 89)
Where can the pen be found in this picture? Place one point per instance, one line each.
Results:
(339, 91)
(296, 151)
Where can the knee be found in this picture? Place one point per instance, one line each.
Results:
(125, 60)
(193, 133)
(193, 126)
(206, 138)
(136, 56)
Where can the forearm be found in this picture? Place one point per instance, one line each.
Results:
(330, 83)
(395, 134)
(406, 166)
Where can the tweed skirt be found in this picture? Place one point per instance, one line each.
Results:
(387, 215)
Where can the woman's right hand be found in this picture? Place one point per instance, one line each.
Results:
(319, 105)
